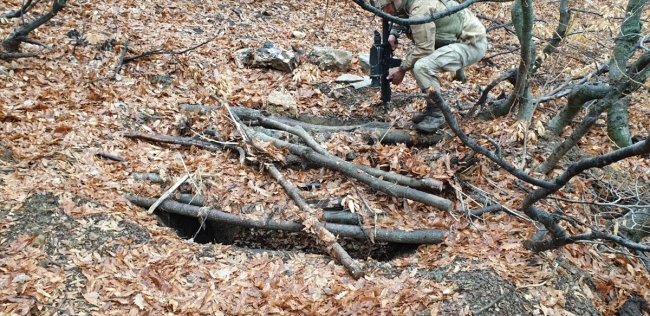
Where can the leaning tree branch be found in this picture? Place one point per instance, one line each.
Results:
(322, 233)
(453, 124)
(12, 42)
(414, 21)
(167, 52)
(420, 236)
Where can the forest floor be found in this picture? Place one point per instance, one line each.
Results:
(72, 244)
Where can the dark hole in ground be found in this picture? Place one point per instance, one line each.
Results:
(188, 227)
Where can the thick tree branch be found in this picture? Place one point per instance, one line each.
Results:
(18, 55)
(578, 96)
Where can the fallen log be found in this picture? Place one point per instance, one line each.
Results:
(421, 236)
(373, 132)
(341, 217)
(333, 211)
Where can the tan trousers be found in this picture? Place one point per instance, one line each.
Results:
(447, 59)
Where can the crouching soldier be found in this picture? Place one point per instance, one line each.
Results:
(445, 45)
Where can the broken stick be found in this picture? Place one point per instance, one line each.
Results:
(333, 247)
(167, 193)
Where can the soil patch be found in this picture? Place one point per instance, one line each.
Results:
(42, 221)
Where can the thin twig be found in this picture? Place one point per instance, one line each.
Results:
(121, 62)
(492, 303)
(110, 157)
(166, 52)
(168, 193)
(494, 143)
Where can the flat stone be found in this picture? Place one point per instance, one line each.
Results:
(362, 84)
(349, 78)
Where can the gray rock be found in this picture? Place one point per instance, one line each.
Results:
(271, 56)
(282, 104)
(364, 62)
(243, 57)
(362, 84)
(328, 58)
(349, 78)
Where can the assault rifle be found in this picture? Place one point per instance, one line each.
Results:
(381, 60)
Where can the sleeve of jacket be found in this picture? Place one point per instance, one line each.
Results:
(424, 35)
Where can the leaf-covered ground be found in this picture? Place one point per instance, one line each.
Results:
(72, 244)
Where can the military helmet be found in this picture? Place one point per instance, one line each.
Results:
(380, 4)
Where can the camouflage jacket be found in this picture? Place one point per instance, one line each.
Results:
(462, 27)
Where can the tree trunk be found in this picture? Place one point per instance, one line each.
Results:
(626, 40)
(522, 18)
(618, 128)
(617, 124)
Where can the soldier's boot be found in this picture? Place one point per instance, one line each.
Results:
(430, 110)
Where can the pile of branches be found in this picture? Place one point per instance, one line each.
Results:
(262, 128)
